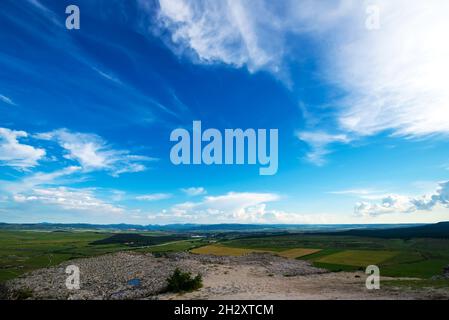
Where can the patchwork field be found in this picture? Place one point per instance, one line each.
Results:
(23, 251)
(416, 257)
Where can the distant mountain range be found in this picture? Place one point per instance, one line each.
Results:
(437, 230)
(205, 227)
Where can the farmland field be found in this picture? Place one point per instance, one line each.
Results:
(360, 258)
(218, 250)
(298, 252)
(23, 251)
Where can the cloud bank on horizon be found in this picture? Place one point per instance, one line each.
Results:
(350, 93)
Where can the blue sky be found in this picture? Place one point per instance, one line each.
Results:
(86, 115)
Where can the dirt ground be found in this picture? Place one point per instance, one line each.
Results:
(224, 282)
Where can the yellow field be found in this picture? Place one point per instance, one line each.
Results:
(218, 250)
(359, 258)
(224, 251)
(297, 252)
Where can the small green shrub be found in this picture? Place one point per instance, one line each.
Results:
(183, 282)
(4, 292)
(21, 294)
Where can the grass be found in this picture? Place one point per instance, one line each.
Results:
(422, 269)
(357, 258)
(417, 284)
(24, 251)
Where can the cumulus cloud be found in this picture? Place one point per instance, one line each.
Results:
(405, 204)
(154, 197)
(93, 153)
(238, 207)
(194, 191)
(230, 207)
(15, 154)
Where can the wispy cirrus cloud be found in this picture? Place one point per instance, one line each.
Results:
(154, 196)
(68, 199)
(108, 76)
(215, 31)
(47, 192)
(366, 194)
(320, 143)
(49, 14)
(395, 76)
(253, 34)
(194, 191)
(389, 80)
(93, 153)
(39, 179)
(14, 153)
(7, 100)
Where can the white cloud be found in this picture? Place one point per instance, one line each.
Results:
(230, 207)
(355, 192)
(319, 143)
(15, 154)
(107, 76)
(251, 33)
(237, 33)
(404, 204)
(367, 194)
(43, 192)
(154, 196)
(194, 191)
(395, 78)
(49, 14)
(238, 207)
(93, 153)
(39, 179)
(392, 79)
(68, 199)
(7, 100)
